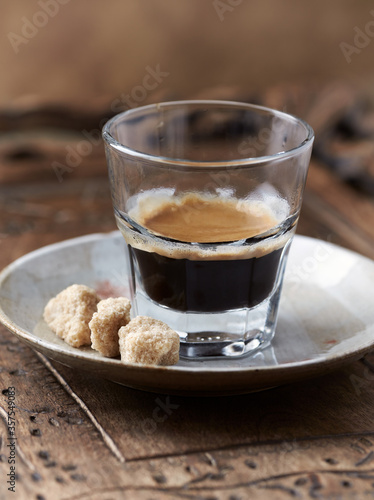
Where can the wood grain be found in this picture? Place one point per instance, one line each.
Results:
(80, 436)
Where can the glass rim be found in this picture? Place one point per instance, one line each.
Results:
(239, 162)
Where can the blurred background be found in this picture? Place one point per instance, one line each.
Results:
(68, 66)
(81, 50)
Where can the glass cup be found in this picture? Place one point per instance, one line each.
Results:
(207, 195)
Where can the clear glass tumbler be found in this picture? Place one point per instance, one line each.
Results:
(207, 195)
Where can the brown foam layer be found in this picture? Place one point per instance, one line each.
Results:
(197, 219)
(193, 218)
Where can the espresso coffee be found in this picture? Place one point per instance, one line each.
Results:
(203, 254)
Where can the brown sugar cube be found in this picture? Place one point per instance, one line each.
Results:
(69, 313)
(148, 341)
(111, 314)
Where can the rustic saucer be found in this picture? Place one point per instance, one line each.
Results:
(326, 316)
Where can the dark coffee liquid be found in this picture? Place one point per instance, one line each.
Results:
(206, 286)
(189, 280)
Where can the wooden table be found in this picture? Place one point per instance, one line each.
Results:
(82, 437)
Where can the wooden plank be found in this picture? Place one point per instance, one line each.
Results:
(49, 425)
(343, 215)
(39, 159)
(36, 216)
(333, 405)
(70, 448)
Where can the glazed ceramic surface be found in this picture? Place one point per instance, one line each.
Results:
(326, 316)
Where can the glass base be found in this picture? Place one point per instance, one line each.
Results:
(206, 347)
(231, 333)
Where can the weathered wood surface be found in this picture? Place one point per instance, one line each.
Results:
(80, 437)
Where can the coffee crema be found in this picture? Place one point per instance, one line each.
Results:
(194, 218)
(202, 227)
